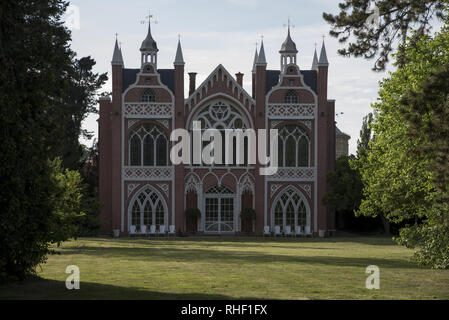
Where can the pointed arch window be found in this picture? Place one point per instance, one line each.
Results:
(148, 146)
(293, 147)
(291, 97)
(148, 96)
(148, 209)
(221, 115)
(290, 210)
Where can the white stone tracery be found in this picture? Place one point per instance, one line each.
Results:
(147, 208)
(290, 209)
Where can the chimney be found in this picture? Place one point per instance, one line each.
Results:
(192, 76)
(239, 77)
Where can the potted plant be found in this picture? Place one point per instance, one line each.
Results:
(192, 215)
(248, 215)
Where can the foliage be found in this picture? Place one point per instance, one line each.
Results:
(75, 211)
(77, 103)
(193, 212)
(43, 88)
(34, 57)
(346, 186)
(248, 214)
(397, 18)
(405, 170)
(365, 136)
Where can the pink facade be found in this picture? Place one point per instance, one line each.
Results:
(140, 188)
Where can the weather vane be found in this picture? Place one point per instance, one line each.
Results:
(289, 25)
(149, 17)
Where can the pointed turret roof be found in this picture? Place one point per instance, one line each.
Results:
(261, 61)
(288, 46)
(323, 56)
(256, 57)
(149, 44)
(117, 55)
(315, 60)
(179, 60)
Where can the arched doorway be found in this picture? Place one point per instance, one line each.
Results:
(148, 208)
(219, 210)
(247, 202)
(290, 209)
(191, 221)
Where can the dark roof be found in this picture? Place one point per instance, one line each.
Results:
(129, 77)
(272, 79)
(310, 77)
(338, 132)
(167, 77)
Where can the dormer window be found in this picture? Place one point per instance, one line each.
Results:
(291, 97)
(148, 96)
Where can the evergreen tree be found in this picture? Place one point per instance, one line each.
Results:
(396, 19)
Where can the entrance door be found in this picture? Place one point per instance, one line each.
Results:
(219, 214)
(219, 210)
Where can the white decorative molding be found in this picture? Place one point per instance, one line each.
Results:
(148, 173)
(274, 123)
(164, 187)
(164, 122)
(307, 188)
(192, 184)
(131, 122)
(247, 185)
(148, 110)
(307, 123)
(132, 187)
(211, 81)
(274, 188)
(290, 111)
(293, 174)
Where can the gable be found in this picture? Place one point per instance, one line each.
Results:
(219, 81)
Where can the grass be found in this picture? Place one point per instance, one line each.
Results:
(232, 268)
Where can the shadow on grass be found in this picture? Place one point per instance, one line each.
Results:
(378, 240)
(214, 255)
(38, 288)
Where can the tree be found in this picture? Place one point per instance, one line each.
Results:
(34, 58)
(346, 186)
(405, 171)
(79, 100)
(397, 19)
(365, 136)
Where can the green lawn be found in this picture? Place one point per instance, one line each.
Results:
(233, 268)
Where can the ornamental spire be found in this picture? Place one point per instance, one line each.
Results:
(261, 60)
(117, 58)
(315, 60)
(179, 60)
(323, 56)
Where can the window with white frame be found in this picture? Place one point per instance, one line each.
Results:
(293, 147)
(291, 97)
(290, 210)
(221, 115)
(148, 96)
(148, 146)
(148, 209)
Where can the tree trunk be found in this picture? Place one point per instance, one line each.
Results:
(385, 223)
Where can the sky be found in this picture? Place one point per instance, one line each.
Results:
(226, 32)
